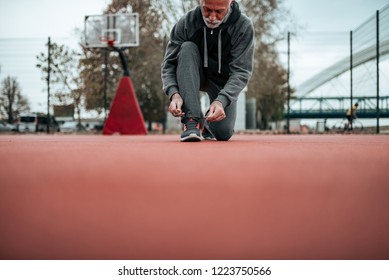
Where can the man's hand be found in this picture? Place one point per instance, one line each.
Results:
(216, 112)
(175, 105)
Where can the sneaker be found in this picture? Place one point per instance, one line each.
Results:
(191, 131)
(207, 134)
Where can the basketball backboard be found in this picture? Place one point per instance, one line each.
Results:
(120, 30)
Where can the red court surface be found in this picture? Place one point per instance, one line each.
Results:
(152, 197)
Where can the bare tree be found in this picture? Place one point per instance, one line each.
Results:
(12, 102)
(64, 75)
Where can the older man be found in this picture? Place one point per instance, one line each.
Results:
(210, 49)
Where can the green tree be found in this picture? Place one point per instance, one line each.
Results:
(65, 83)
(12, 102)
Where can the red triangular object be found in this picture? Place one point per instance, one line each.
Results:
(125, 116)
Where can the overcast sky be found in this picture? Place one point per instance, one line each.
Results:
(24, 19)
(334, 15)
(43, 18)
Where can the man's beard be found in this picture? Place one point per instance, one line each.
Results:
(212, 25)
(216, 23)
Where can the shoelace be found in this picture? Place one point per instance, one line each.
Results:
(206, 130)
(191, 124)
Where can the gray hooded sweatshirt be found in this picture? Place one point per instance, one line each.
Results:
(227, 52)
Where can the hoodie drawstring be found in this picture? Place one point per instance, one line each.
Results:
(219, 50)
(205, 49)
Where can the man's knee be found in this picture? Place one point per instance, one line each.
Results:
(189, 49)
(188, 45)
(223, 134)
(224, 129)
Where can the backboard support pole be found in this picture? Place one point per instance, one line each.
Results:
(116, 32)
(123, 59)
(105, 83)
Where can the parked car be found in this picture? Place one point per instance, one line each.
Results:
(6, 127)
(37, 123)
(72, 126)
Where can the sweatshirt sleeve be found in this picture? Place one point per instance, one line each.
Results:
(241, 66)
(169, 64)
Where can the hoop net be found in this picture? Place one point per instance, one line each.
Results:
(107, 41)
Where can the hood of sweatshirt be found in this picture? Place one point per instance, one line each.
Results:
(212, 39)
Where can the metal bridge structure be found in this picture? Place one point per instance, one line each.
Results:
(369, 43)
(342, 66)
(336, 107)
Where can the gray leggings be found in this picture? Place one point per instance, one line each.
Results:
(191, 80)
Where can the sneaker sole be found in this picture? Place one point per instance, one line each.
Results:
(191, 138)
(209, 138)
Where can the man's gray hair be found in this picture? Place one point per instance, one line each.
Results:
(229, 3)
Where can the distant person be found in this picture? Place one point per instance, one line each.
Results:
(211, 50)
(351, 115)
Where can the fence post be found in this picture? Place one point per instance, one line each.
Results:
(105, 83)
(351, 75)
(48, 85)
(288, 118)
(378, 73)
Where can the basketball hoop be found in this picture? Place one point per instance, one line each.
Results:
(111, 43)
(118, 30)
(111, 38)
(108, 42)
